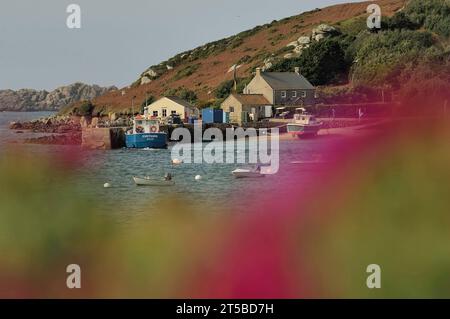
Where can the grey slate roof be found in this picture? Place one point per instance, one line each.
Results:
(251, 99)
(287, 81)
(186, 104)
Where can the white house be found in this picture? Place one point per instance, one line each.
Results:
(169, 105)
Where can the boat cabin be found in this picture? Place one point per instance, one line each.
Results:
(143, 124)
(305, 119)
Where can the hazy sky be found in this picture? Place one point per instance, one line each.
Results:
(118, 39)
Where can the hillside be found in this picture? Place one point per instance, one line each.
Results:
(41, 100)
(201, 74)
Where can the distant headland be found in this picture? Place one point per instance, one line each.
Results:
(41, 100)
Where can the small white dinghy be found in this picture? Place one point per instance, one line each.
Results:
(147, 181)
(253, 172)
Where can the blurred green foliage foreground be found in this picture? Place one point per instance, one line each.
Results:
(386, 204)
(46, 224)
(390, 206)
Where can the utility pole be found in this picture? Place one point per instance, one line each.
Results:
(235, 78)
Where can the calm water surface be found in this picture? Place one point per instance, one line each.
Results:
(218, 191)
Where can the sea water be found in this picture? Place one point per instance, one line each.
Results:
(217, 192)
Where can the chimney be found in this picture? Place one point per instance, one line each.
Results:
(297, 70)
(258, 71)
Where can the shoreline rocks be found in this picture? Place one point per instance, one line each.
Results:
(47, 126)
(63, 139)
(63, 130)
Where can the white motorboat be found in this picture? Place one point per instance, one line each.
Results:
(147, 181)
(304, 125)
(254, 172)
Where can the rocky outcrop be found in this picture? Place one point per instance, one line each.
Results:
(324, 31)
(149, 75)
(318, 33)
(58, 125)
(268, 63)
(63, 139)
(34, 100)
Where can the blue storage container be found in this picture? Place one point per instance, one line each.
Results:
(208, 116)
(218, 116)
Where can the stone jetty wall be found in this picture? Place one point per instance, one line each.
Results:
(103, 138)
(113, 138)
(222, 127)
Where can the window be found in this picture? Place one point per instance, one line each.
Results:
(173, 112)
(294, 94)
(155, 113)
(164, 112)
(231, 109)
(303, 93)
(283, 94)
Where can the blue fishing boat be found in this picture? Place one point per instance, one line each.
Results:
(145, 134)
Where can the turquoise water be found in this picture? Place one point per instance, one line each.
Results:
(218, 190)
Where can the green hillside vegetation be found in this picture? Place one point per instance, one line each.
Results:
(433, 15)
(322, 63)
(413, 43)
(378, 59)
(409, 53)
(183, 93)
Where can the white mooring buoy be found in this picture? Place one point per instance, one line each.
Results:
(107, 185)
(177, 161)
(198, 177)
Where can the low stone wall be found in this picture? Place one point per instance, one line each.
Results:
(113, 138)
(223, 127)
(103, 138)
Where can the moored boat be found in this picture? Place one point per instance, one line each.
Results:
(145, 134)
(147, 181)
(251, 172)
(304, 125)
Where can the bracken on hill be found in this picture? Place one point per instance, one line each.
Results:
(206, 69)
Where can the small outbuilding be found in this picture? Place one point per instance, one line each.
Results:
(242, 106)
(172, 105)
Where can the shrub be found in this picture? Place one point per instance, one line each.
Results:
(434, 15)
(225, 88)
(427, 81)
(85, 109)
(183, 93)
(400, 21)
(187, 95)
(243, 60)
(205, 104)
(353, 26)
(187, 71)
(322, 63)
(381, 57)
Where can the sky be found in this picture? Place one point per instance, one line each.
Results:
(118, 40)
